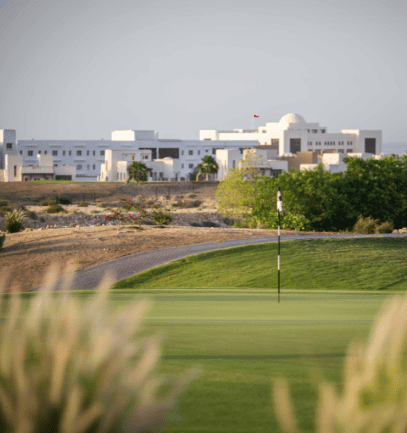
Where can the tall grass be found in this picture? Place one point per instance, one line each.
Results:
(14, 221)
(374, 396)
(72, 369)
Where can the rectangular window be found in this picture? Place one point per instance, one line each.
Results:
(206, 150)
(21, 152)
(102, 153)
(94, 153)
(199, 152)
(315, 131)
(15, 171)
(39, 152)
(87, 153)
(213, 151)
(30, 153)
(78, 153)
(63, 153)
(9, 145)
(182, 165)
(54, 153)
(191, 165)
(94, 166)
(70, 152)
(182, 152)
(323, 131)
(79, 167)
(117, 177)
(45, 152)
(88, 167)
(190, 152)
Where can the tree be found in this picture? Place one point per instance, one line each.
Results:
(137, 171)
(208, 166)
(192, 174)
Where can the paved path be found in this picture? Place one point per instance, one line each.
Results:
(124, 267)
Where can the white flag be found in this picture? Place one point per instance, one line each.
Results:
(279, 202)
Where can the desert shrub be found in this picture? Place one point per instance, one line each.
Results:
(64, 200)
(3, 203)
(32, 215)
(161, 218)
(373, 397)
(82, 204)
(386, 227)
(48, 201)
(156, 206)
(195, 225)
(179, 196)
(95, 211)
(188, 203)
(2, 239)
(33, 199)
(14, 221)
(79, 367)
(4, 210)
(228, 221)
(240, 225)
(365, 226)
(191, 195)
(100, 205)
(209, 224)
(54, 208)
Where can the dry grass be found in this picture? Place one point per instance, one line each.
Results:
(374, 397)
(76, 369)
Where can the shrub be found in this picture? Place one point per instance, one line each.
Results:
(79, 367)
(161, 218)
(48, 202)
(240, 225)
(32, 215)
(195, 225)
(188, 203)
(386, 227)
(14, 221)
(82, 204)
(4, 210)
(191, 195)
(64, 200)
(209, 224)
(54, 208)
(100, 205)
(3, 203)
(366, 226)
(2, 239)
(374, 375)
(95, 211)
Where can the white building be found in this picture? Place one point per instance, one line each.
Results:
(289, 136)
(14, 170)
(293, 134)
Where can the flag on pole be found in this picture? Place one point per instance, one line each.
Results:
(279, 209)
(279, 201)
(256, 115)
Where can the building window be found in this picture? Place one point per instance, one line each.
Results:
(117, 177)
(191, 166)
(79, 167)
(323, 131)
(94, 153)
(94, 166)
(87, 153)
(214, 152)
(30, 153)
(78, 153)
(102, 153)
(199, 152)
(45, 152)
(182, 152)
(15, 171)
(206, 150)
(88, 167)
(21, 152)
(54, 153)
(9, 145)
(55, 165)
(182, 165)
(190, 152)
(39, 152)
(315, 131)
(70, 153)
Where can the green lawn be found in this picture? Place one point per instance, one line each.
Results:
(242, 339)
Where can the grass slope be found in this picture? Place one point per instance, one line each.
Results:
(318, 264)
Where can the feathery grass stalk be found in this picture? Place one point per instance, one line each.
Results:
(374, 397)
(76, 369)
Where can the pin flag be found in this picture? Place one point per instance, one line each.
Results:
(279, 209)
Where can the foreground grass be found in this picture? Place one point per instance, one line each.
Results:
(333, 264)
(243, 340)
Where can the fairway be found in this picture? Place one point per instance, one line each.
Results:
(242, 340)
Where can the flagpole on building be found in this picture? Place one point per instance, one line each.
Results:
(279, 208)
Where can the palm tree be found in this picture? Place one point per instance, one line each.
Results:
(137, 171)
(208, 165)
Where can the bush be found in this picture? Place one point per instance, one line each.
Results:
(49, 202)
(209, 224)
(79, 367)
(3, 203)
(82, 204)
(386, 227)
(14, 221)
(2, 239)
(64, 200)
(366, 226)
(4, 210)
(32, 215)
(161, 218)
(54, 208)
(240, 225)
(100, 205)
(95, 211)
(186, 204)
(195, 225)
(191, 195)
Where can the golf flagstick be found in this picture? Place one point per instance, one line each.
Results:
(279, 209)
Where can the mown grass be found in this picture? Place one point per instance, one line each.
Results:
(242, 341)
(376, 264)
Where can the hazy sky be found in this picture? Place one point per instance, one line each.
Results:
(79, 69)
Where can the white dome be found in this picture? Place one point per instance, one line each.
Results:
(292, 118)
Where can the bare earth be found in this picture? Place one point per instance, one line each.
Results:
(26, 256)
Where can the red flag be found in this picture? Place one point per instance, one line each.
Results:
(256, 115)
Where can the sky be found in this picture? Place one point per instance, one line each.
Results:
(80, 69)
